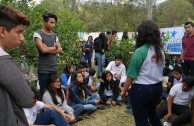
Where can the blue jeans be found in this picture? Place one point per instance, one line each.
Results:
(110, 99)
(43, 78)
(50, 116)
(144, 99)
(78, 108)
(91, 107)
(98, 56)
(88, 56)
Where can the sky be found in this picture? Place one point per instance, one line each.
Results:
(158, 1)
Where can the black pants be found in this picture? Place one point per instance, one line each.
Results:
(188, 66)
(183, 113)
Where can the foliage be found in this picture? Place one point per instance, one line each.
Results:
(66, 28)
(124, 47)
(174, 12)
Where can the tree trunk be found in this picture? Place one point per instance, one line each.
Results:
(149, 17)
(73, 5)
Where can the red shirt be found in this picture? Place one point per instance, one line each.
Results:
(188, 45)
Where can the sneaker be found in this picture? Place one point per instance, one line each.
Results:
(79, 118)
(118, 103)
(86, 115)
(166, 124)
(101, 107)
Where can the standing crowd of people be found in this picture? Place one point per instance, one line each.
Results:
(66, 99)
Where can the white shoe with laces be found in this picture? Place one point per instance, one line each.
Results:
(166, 124)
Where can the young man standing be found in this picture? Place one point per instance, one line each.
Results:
(48, 46)
(15, 93)
(187, 52)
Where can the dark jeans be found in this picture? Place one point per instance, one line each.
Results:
(188, 66)
(88, 57)
(50, 116)
(78, 108)
(43, 78)
(144, 99)
(183, 113)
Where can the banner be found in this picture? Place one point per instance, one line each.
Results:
(174, 44)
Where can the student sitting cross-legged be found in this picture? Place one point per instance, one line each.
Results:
(109, 91)
(179, 98)
(54, 95)
(52, 115)
(77, 92)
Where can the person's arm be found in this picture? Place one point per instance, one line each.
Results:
(120, 87)
(65, 116)
(127, 85)
(182, 52)
(44, 49)
(94, 83)
(67, 93)
(169, 106)
(115, 91)
(101, 92)
(13, 81)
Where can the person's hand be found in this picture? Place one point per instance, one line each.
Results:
(108, 102)
(123, 94)
(126, 94)
(168, 84)
(168, 116)
(113, 103)
(67, 118)
(93, 89)
(118, 75)
(97, 101)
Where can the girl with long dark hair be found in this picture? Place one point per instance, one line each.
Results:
(68, 70)
(78, 91)
(54, 95)
(109, 91)
(145, 74)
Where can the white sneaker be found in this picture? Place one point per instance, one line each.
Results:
(166, 124)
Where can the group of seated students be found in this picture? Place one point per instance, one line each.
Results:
(178, 94)
(68, 98)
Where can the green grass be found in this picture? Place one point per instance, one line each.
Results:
(111, 116)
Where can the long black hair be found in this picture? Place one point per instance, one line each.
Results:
(59, 92)
(79, 86)
(66, 70)
(148, 33)
(103, 38)
(106, 83)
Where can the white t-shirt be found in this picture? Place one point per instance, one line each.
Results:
(117, 69)
(31, 113)
(181, 97)
(90, 80)
(177, 81)
(108, 92)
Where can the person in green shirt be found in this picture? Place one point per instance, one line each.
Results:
(145, 74)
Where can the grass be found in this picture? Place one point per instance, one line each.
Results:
(111, 116)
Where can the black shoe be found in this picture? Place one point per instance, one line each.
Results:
(118, 103)
(79, 118)
(101, 107)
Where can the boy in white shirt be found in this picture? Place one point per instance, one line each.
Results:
(178, 100)
(52, 115)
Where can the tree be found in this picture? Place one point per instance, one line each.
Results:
(174, 12)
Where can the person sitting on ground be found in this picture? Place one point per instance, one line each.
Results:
(109, 91)
(92, 85)
(54, 95)
(118, 70)
(179, 98)
(174, 79)
(52, 115)
(77, 92)
(65, 75)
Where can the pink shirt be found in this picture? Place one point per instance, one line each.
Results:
(188, 45)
